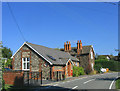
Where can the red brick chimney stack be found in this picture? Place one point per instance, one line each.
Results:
(69, 46)
(65, 46)
(80, 45)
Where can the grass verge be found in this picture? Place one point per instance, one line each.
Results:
(117, 83)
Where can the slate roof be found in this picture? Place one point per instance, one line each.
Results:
(56, 57)
(85, 50)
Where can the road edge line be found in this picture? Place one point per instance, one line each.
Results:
(110, 87)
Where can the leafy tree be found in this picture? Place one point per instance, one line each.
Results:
(6, 52)
(101, 57)
(119, 56)
(8, 63)
(96, 56)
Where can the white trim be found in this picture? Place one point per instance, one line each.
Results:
(32, 49)
(18, 50)
(26, 61)
(70, 60)
(93, 50)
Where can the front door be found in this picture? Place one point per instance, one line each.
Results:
(69, 68)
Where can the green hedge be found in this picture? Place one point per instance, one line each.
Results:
(77, 71)
(117, 84)
(112, 65)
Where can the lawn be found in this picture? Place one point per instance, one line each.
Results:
(118, 83)
(9, 87)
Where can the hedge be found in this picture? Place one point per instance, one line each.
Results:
(112, 65)
(77, 71)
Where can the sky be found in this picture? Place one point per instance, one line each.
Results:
(52, 23)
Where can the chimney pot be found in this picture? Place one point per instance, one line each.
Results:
(80, 45)
(67, 42)
(65, 46)
(80, 41)
(69, 46)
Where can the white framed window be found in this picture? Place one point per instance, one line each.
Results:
(91, 55)
(25, 63)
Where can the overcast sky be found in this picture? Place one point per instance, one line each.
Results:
(51, 24)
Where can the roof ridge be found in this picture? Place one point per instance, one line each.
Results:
(49, 48)
(38, 45)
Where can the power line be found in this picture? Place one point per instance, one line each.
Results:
(15, 21)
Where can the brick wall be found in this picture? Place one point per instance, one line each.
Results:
(13, 77)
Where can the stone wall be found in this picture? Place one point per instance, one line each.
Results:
(17, 61)
(45, 66)
(37, 63)
(57, 68)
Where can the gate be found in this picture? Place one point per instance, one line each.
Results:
(32, 78)
(37, 79)
(58, 75)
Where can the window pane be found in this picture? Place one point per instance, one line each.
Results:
(24, 65)
(28, 65)
(28, 59)
(23, 59)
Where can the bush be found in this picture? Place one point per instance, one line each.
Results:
(97, 67)
(112, 65)
(77, 71)
(81, 71)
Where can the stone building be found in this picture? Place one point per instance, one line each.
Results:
(36, 58)
(85, 54)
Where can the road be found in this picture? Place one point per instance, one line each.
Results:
(102, 81)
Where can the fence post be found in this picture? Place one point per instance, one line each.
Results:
(64, 76)
(60, 75)
(41, 77)
(57, 75)
(37, 76)
(31, 75)
(28, 78)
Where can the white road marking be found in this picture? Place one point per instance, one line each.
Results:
(74, 87)
(88, 81)
(55, 85)
(112, 82)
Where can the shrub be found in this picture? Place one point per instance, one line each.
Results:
(81, 71)
(97, 67)
(77, 71)
(112, 65)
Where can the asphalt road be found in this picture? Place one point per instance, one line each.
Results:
(102, 81)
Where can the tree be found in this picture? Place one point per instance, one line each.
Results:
(6, 52)
(96, 56)
(101, 57)
(119, 56)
